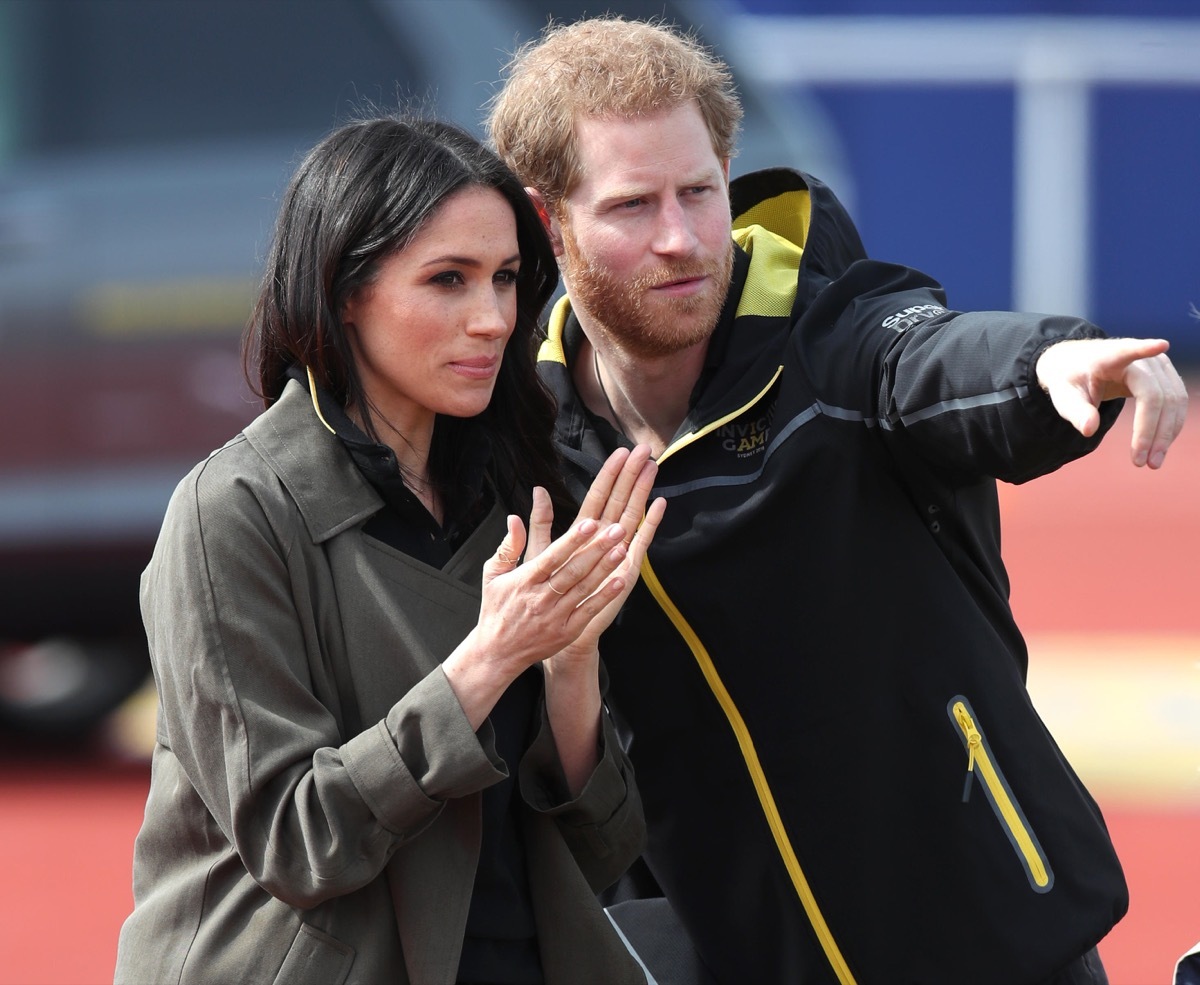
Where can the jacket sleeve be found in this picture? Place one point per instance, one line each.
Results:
(604, 826)
(232, 637)
(958, 389)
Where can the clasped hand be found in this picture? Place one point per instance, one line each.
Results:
(565, 593)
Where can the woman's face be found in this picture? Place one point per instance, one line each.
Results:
(428, 333)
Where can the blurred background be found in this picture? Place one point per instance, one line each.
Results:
(1029, 154)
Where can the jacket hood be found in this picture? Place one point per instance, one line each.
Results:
(801, 210)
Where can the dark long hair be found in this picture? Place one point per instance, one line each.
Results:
(358, 197)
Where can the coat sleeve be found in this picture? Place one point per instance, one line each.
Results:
(604, 826)
(958, 389)
(233, 640)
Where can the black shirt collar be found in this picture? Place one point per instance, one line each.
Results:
(405, 523)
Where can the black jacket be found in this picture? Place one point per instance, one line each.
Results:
(823, 632)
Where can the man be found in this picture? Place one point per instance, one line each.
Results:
(820, 678)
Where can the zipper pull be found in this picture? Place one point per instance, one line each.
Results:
(974, 741)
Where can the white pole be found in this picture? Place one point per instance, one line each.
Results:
(1052, 182)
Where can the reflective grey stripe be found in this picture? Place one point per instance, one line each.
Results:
(964, 403)
(844, 414)
(819, 409)
(797, 422)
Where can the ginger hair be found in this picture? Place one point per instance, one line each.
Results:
(604, 67)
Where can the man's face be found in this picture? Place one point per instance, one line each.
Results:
(646, 248)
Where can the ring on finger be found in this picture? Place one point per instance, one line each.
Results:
(550, 585)
(503, 556)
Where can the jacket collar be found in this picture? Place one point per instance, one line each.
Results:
(312, 464)
(793, 237)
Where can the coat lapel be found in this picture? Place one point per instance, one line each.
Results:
(402, 621)
(406, 607)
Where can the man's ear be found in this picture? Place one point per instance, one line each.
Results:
(725, 171)
(549, 222)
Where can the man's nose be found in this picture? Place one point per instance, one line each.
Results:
(674, 236)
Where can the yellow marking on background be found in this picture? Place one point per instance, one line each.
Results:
(1125, 709)
(116, 310)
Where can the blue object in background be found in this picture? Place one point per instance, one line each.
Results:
(1147, 209)
(1029, 155)
(932, 182)
(1072, 8)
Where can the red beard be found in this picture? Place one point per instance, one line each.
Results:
(627, 312)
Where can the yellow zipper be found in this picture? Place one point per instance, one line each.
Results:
(686, 439)
(765, 797)
(745, 743)
(979, 761)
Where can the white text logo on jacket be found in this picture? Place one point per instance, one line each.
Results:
(902, 321)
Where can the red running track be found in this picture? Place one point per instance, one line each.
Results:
(66, 834)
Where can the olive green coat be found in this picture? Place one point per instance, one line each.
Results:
(276, 849)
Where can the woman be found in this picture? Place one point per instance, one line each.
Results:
(381, 754)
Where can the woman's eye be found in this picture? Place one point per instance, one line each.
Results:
(448, 278)
(506, 276)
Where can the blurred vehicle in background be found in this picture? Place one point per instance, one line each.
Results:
(143, 146)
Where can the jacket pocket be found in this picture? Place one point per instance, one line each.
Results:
(315, 958)
(982, 763)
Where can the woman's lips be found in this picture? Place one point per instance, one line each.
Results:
(477, 367)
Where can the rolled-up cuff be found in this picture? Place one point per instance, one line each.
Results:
(422, 754)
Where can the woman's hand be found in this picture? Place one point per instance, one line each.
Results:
(573, 699)
(534, 610)
(618, 495)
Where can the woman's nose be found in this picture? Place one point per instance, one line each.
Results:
(494, 314)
